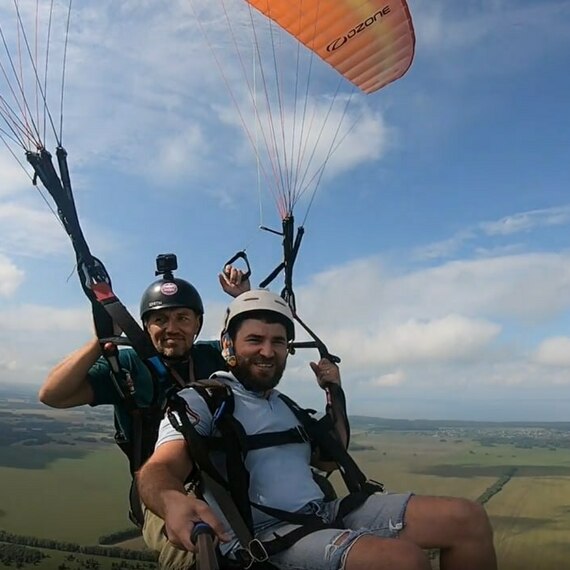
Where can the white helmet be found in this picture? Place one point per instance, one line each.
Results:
(260, 300)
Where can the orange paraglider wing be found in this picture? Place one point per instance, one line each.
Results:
(371, 42)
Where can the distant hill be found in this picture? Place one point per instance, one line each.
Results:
(371, 422)
(26, 396)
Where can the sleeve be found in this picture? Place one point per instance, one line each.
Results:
(99, 377)
(103, 386)
(198, 413)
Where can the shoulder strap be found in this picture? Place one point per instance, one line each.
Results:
(239, 518)
(322, 433)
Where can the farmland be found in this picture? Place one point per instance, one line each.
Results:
(62, 479)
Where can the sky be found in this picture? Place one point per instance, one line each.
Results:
(436, 254)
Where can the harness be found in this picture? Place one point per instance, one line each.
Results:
(232, 495)
(145, 422)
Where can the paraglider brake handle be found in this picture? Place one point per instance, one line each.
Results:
(323, 352)
(240, 255)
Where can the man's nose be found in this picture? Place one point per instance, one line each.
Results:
(266, 349)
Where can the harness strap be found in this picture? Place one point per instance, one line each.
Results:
(336, 409)
(263, 440)
(233, 496)
(321, 432)
(238, 476)
(258, 552)
(212, 479)
(310, 523)
(354, 500)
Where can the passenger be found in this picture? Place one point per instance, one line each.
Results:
(384, 531)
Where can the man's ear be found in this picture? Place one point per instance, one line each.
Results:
(228, 353)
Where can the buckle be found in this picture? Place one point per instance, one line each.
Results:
(303, 433)
(255, 552)
(375, 487)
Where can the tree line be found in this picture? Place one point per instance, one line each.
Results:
(497, 486)
(111, 552)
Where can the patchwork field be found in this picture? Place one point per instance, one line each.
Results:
(530, 515)
(62, 479)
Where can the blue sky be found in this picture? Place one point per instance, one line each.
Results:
(436, 257)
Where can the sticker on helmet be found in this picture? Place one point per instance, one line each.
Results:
(169, 288)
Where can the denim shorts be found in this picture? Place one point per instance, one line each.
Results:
(382, 515)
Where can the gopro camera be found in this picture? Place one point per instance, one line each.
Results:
(166, 263)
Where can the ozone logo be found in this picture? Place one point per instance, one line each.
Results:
(341, 40)
(169, 288)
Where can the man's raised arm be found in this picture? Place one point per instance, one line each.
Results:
(66, 385)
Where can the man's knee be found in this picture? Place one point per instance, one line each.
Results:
(373, 553)
(471, 519)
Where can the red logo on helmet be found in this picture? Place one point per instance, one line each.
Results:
(169, 288)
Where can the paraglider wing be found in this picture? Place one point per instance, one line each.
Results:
(371, 43)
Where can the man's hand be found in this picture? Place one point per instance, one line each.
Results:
(326, 372)
(232, 281)
(181, 517)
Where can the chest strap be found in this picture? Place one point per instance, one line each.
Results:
(262, 440)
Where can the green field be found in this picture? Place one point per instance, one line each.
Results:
(530, 516)
(75, 490)
(75, 500)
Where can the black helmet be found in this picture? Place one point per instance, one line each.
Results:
(168, 293)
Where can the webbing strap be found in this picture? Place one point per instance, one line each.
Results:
(212, 478)
(263, 440)
(253, 552)
(106, 307)
(238, 476)
(121, 316)
(321, 433)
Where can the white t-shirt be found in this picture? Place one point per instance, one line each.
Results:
(280, 476)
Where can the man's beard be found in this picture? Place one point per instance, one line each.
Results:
(171, 355)
(176, 353)
(254, 379)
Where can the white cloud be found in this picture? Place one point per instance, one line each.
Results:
(554, 352)
(35, 337)
(29, 231)
(513, 224)
(179, 155)
(14, 179)
(390, 379)
(334, 133)
(366, 293)
(446, 247)
(449, 339)
(527, 221)
(11, 277)
(395, 333)
(33, 319)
